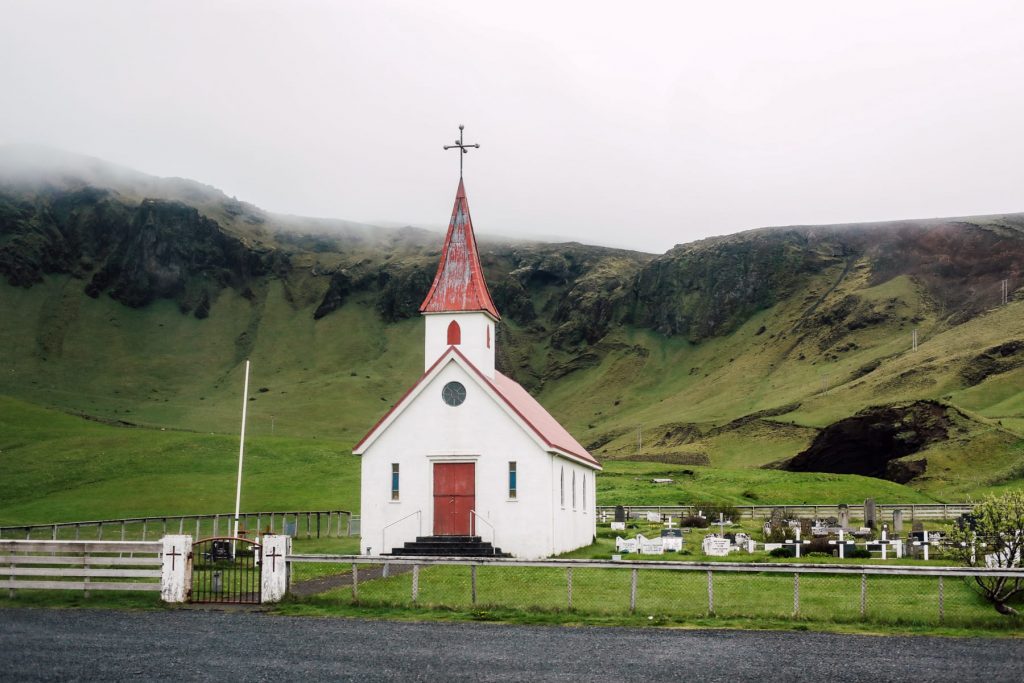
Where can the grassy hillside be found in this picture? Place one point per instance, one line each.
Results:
(63, 468)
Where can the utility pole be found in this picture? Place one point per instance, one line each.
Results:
(914, 340)
(1005, 287)
(241, 452)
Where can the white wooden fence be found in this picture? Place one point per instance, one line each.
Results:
(80, 565)
(911, 511)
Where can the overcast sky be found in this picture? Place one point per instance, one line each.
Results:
(630, 124)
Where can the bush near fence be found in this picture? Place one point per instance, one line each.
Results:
(664, 590)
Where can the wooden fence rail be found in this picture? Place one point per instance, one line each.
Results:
(911, 511)
(73, 565)
(318, 523)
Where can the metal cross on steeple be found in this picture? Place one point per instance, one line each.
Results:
(463, 148)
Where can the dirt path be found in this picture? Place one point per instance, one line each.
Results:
(326, 583)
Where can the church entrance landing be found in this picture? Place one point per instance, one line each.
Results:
(454, 498)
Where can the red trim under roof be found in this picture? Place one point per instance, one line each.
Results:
(459, 284)
(525, 406)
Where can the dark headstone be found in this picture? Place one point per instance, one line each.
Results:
(671, 533)
(918, 526)
(220, 550)
(805, 528)
(620, 514)
(870, 517)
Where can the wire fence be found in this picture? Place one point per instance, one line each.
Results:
(660, 590)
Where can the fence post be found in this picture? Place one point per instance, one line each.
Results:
(216, 525)
(198, 522)
(796, 594)
(274, 576)
(711, 593)
(54, 533)
(355, 582)
(568, 586)
(942, 606)
(181, 526)
(10, 591)
(632, 591)
(318, 525)
(472, 577)
(863, 594)
(99, 532)
(85, 579)
(174, 579)
(415, 583)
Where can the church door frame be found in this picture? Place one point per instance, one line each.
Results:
(453, 491)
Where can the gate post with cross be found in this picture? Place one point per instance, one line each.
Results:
(274, 569)
(176, 572)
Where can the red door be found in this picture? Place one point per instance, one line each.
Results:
(454, 497)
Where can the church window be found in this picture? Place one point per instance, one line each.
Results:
(584, 494)
(394, 481)
(574, 489)
(453, 394)
(512, 479)
(561, 483)
(488, 336)
(454, 334)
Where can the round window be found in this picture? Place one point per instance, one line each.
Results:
(453, 393)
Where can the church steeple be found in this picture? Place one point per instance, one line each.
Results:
(458, 308)
(459, 284)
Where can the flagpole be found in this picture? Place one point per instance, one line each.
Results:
(241, 448)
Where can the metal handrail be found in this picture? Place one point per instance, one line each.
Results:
(474, 515)
(383, 532)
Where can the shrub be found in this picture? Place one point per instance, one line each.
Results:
(858, 554)
(712, 510)
(783, 552)
(694, 522)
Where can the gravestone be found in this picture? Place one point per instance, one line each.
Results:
(844, 517)
(626, 545)
(650, 546)
(715, 546)
(869, 513)
(897, 521)
(653, 516)
(918, 526)
(672, 539)
(620, 519)
(220, 551)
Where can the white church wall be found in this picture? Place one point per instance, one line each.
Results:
(477, 339)
(478, 431)
(574, 523)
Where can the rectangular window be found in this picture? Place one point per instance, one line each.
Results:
(574, 489)
(511, 480)
(394, 481)
(584, 494)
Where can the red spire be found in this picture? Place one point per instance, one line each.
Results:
(459, 284)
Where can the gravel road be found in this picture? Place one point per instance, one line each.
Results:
(195, 645)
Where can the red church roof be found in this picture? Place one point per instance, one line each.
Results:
(532, 414)
(459, 284)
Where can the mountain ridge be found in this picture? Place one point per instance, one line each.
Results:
(687, 344)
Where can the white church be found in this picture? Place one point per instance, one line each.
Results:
(467, 462)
